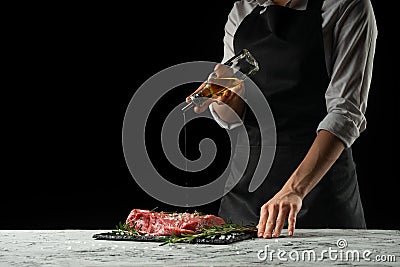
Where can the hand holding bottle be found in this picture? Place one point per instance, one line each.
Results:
(224, 84)
(220, 87)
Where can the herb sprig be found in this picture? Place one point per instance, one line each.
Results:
(224, 229)
(207, 232)
(125, 229)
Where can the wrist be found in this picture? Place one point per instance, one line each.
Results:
(297, 185)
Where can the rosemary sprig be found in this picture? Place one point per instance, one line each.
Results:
(208, 231)
(125, 229)
(225, 229)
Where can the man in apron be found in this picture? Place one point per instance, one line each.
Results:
(315, 61)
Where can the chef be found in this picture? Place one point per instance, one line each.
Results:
(315, 61)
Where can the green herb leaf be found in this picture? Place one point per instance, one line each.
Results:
(207, 232)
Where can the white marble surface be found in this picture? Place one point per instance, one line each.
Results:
(78, 248)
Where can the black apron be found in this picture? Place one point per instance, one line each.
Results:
(288, 45)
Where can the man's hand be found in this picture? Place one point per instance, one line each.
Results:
(205, 104)
(284, 205)
(230, 97)
(287, 202)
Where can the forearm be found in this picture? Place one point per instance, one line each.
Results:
(323, 153)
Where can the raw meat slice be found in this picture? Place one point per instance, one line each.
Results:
(167, 224)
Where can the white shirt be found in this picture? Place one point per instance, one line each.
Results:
(349, 33)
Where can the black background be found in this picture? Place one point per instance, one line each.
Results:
(71, 73)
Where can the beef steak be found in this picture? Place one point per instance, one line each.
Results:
(167, 224)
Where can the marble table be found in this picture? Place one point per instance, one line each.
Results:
(307, 248)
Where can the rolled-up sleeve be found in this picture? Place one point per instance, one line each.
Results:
(352, 58)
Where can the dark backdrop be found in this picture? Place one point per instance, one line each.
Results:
(73, 71)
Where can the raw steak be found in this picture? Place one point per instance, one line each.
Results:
(167, 224)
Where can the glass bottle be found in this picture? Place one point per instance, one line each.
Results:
(234, 72)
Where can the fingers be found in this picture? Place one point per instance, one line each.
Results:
(263, 220)
(226, 97)
(204, 106)
(206, 103)
(221, 71)
(230, 95)
(271, 221)
(280, 221)
(292, 220)
(197, 90)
